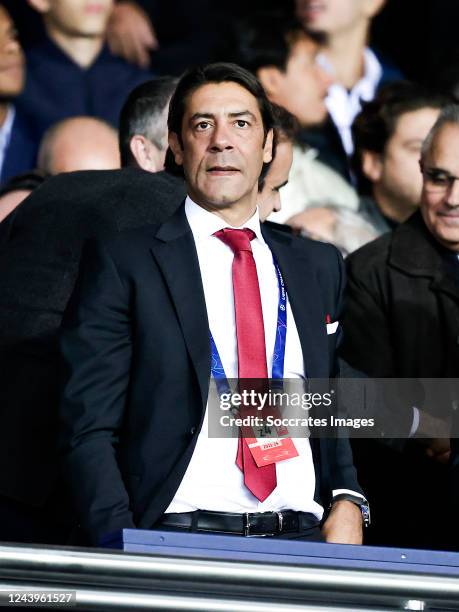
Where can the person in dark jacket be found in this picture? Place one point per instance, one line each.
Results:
(402, 321)
(72, 72)
(40, 246)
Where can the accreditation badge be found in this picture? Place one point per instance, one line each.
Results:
(266, 451)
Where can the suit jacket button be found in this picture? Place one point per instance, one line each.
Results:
(192, 431)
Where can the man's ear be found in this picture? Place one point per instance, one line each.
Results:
(268, 147)
(372, 165)
(41, 6)
(269, 77)
(144, 152)
(176, 148)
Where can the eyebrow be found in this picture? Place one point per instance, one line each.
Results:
(438, 169)
(207, 115)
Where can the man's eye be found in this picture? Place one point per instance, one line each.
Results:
(242, 123)
(439, 179)
(202, 125)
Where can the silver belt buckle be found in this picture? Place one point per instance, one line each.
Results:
(247, 533)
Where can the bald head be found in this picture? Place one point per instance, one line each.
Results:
(80, 143)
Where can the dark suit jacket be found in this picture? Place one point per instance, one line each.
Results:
(137, 365)
(40, 247)
(402, 307)
(402, 320)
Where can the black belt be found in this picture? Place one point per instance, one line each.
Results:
(246, 524)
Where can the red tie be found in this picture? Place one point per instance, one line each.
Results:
(251, 348)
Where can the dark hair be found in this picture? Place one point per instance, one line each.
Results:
(286, 127)
(376, 123)
(195, 78)
(266, 39)
(142, 114)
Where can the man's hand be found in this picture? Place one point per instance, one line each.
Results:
(130, 34)
(439, 449)
(344, 524)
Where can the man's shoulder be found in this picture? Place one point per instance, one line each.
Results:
(127, 242)
(124, 199)
(369, 264)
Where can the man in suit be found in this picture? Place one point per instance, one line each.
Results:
(401, 321)
(137, 350)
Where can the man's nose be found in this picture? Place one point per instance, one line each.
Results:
(452, 197)
(221, 138)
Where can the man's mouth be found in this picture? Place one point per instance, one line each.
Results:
(222, 170)
(453, 217)
(94, 9)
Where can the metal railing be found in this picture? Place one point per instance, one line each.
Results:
(122, 581)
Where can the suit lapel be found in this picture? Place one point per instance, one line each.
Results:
(175, 253)
(306, 302)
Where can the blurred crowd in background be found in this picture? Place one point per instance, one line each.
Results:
(319, 60)
(359, 84)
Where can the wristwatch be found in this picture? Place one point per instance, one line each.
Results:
(361, 502)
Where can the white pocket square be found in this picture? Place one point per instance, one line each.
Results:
(332, 327)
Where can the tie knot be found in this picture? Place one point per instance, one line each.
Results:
(236, 239)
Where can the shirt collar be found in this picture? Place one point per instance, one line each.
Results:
(372, 73)
(204, 223)
(7, 127)
(53, 51)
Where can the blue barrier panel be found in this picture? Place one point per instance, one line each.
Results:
(237, 548)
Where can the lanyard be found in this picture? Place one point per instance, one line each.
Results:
(217, 369)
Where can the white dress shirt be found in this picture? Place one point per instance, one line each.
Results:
(344, 105)
(5, 135)
(213, 481)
